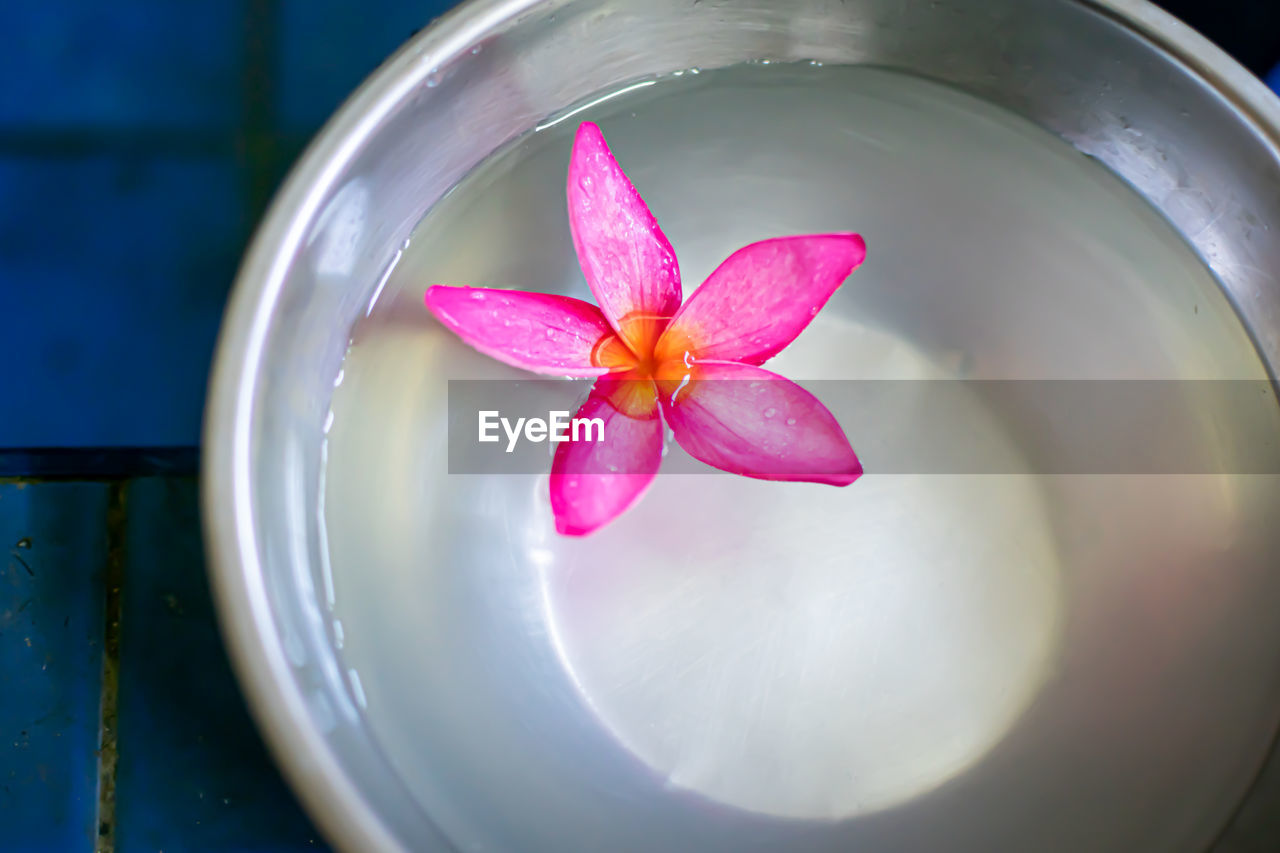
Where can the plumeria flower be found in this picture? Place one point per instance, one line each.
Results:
(692, 368)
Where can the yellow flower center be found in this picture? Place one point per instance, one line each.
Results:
(638, 358)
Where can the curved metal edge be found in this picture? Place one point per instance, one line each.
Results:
(1254, 102)
(1259, 107)
(1251, 98)
(244, 617)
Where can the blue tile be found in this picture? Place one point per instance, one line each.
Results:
(192, 772)
(53, 537)
(113, 275)
(327, 47)
(122, 64)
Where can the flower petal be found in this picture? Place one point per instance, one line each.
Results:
(593, 482)
(746, 420)
(627, 260)
(761, 297)
(536, 331)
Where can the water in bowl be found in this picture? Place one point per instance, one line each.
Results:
(915, 662)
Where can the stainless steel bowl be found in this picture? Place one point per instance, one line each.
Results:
(1121, 81)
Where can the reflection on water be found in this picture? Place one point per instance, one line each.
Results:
(964, 663)
(860, 647)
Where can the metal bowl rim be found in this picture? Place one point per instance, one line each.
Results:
(244, 614)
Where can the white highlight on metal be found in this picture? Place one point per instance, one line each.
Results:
(609, 97)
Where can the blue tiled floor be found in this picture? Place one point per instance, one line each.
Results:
(139, 141)
(129, 64)
(53, 537)
(129, 267)
(135, 154)
(192, 772)
(314, 78)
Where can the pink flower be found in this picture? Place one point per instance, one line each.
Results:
(693, 366)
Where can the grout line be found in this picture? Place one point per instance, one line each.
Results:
(151, 142)
(96, 463)
(108, 742)
(261, 146)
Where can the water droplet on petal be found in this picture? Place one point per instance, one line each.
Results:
(684, 380)
(477, 295)
(688, 359)
(770, 412)
(791, 421)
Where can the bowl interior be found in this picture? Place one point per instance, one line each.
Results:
(512, 692)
